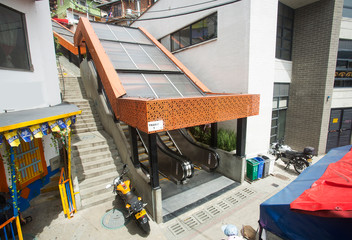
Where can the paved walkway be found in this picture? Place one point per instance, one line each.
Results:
(239, 206)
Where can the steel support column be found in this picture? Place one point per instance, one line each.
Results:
(214, 135)
(134, 146)
(153, 161)
(80, 54)
(241, 137)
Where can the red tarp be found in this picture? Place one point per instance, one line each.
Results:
(60, 20)
(331, 194)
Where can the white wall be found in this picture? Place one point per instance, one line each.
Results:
(346, 28)
(38, 88)
(50, 149)
(263, 19)
(240, 60)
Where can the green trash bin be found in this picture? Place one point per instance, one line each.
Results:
(252, 169)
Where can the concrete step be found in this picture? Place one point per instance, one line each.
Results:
(98, 163)
(99, 199)
(97, 172)
(95, 190)
(94, 156)
(141, 150)
(91, 150)
(93, 143)
(106, 178)
(84, 124)
(84, 130)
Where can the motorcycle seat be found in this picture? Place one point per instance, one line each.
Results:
(294, 153)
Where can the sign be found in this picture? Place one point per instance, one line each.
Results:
(335, 120)
(155, 126)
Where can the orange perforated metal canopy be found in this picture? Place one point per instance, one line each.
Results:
(148, 88)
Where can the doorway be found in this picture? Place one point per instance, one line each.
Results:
(339, 128)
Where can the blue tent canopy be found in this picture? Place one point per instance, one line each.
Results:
(276, 216)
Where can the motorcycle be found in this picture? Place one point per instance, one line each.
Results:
(299, 160)
(133, 204)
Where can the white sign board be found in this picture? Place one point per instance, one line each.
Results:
(155, 125)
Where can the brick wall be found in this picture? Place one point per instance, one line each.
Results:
(315, 43)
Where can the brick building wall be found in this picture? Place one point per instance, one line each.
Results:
(315, 44)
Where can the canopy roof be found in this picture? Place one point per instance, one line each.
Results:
(65, 37)
(145, 83)
(14, 120)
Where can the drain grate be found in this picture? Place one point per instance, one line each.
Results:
(223, 205)
(248, 191)
(213, 210)
(201, 216)
(232, 200)
(191, 222)
(177, 229)
(239, 195)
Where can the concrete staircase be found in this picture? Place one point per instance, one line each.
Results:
(94, 155)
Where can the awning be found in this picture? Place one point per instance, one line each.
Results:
(60, 20)
(147, 86)
(331, 194)
(27, 124)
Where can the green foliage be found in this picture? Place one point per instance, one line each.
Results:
(226, 138)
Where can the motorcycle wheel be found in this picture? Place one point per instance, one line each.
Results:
(145, 227)
(300, 165)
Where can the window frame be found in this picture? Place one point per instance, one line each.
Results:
(277, 110)
(177, 34)
(281, 17)
(343, 75)
(27, 50)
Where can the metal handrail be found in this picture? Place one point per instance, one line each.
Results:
(173, 141)
(140, 137)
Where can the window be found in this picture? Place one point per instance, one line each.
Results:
(75, 16)
(343, 74)
(14, 52)
(347, 9)
(278, 119)
(197, 32)
(117, 10)
(284, 32)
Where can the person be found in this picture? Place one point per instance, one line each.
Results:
(6, 211)
(231, 232)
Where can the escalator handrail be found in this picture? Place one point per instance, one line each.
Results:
(184, 161)
(185, 134)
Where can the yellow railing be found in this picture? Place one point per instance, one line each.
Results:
(11, 231)
(67, 196)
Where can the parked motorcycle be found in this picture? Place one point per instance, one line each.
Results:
(299, 160)
(133, 204)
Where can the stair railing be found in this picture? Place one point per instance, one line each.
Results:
(173, 141)
(67, 196)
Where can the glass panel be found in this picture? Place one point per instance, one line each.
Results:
(13, 42)
(347, 12)
(350, 64)
(283, 102)
(139, 57)
(348, 83)
(184, 85)
(284, 89)
(63, 32)
(161, 85)
(138, 36)
(276, 89)
(175, 41)
(282, 124)
(273, 131)
(287, 23)
(279, 33)
(185, 37)
(275, 114)
(117, 55)
(286, 45)
(285, 55)
(341, 64)
(275, 103)
(287, 34)
(197, 32)
(135, 85)
(163, 62)
(102, 31)
(210, 25)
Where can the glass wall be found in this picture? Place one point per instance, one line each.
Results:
(347, 9)
(197, 32)
(343, 74)
(280, 104)
(284, 32)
